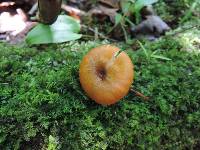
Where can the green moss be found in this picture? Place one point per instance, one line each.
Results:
(40, 96)
(178, 11)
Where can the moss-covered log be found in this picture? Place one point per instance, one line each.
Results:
(42, 103)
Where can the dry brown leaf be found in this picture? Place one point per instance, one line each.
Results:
(70, 9)
(111, 3)
(102, 10)
(20, 37)
(75, 15)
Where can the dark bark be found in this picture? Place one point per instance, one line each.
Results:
(49, 10)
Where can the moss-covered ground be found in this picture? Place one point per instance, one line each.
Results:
(43, 106)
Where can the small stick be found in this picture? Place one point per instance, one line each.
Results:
(33, 9)
(99, 34)
(117, 54)
(96, 37)
(139, 94)
(72, 9)
(182, 30)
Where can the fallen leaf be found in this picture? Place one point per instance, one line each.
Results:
(74, 15)
(64, 29)
(102, 10)
(111, 3)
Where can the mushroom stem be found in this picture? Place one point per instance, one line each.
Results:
(139, 94)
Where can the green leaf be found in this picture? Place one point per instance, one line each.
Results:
(154, 52)
(141, 3)
(125, 6)
(143, 48)
(188, 14)
(160, 57)
(118, 18)
(63, 30)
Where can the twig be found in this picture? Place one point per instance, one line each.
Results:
(183, 30)
(72, 9)
(33, 9)
(99, 34)
(96, 35)
(87, 36)
(139, 94)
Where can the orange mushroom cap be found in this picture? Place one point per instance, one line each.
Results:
(105, 78)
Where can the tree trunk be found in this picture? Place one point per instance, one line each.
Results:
(49, 10)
